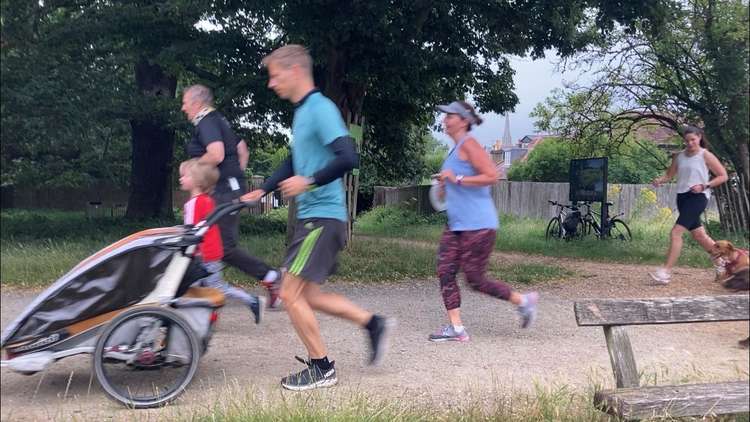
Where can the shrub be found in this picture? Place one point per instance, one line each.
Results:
(273, 222)
(396, 216)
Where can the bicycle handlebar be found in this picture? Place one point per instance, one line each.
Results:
(226, 209)
(555, 203)
(588, 203)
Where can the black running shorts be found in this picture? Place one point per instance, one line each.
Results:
(314, 248)
(690, 206)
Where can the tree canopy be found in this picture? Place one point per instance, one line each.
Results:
(90, 70)
(694, 70)
(632, 162)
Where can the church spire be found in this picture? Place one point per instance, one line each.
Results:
(507, 140)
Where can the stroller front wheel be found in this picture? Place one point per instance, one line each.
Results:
(146, 357)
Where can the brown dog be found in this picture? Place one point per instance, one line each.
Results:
(737, 267)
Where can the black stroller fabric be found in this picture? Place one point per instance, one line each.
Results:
(193, 273)
(113, 284)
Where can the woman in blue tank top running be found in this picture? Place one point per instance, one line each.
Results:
(469, 238)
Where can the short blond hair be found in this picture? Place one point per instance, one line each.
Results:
(204, 175)
(290, 55)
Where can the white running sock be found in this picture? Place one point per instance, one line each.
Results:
(458, 329)
(271, 276)
(524, 301)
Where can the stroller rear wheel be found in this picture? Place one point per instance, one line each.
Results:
(146, 357)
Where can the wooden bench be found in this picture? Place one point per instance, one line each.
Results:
(629, 400)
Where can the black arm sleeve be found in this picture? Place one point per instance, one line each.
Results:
(284, 172)
(345, 160)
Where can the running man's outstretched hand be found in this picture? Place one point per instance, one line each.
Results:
(294, 185)
(253, 196)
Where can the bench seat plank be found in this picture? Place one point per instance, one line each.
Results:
(675, 400)
(669, 310)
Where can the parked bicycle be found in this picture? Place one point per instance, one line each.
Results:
(567, 224)
(614, 228)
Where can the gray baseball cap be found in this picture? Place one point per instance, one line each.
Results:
(456, 108)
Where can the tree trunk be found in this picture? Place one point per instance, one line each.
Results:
(743, 162)
(153, 145)
(349, 98)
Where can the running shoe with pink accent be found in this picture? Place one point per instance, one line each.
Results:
(448, 333)
(272, 283)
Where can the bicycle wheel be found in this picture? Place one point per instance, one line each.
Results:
(583, 228)
(146, 357)
(554, 229)
(619, 230)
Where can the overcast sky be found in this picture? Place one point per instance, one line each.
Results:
(534, 80)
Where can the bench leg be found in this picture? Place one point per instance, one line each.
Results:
(621, 356)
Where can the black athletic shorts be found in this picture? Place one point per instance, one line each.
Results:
(690, 206)
(315, 246)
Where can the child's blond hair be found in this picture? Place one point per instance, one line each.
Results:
(204, 175)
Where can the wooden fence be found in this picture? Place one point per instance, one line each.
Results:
(106, 200)
(525, 199)
(734, 206)
(529, 199)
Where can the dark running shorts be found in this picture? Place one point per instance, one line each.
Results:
(315, 245)
(690, 206)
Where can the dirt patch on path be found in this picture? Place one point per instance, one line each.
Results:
(500, 357)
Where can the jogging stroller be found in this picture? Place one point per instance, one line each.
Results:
(132, 307)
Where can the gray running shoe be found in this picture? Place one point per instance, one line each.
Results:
(528, 311)
(448, 333)
(661, 276)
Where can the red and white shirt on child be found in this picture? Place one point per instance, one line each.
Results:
(196, 210)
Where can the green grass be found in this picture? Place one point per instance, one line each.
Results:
(37, 247)
(554, 403)
(548, 403)
(374, 260)
(649, 245)
(37, 263)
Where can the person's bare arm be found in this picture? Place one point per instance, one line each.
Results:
(720, 173)
(243, 154)
(214, 153)
(671, 171)
(480, 160)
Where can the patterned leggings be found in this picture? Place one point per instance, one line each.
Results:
(469, 251)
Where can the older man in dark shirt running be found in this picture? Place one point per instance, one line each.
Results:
(214, 142)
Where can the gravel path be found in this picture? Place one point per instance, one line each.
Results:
(500, 357)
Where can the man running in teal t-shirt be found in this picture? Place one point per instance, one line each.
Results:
(322, 153)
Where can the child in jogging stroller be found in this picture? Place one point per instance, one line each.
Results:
(132, 307)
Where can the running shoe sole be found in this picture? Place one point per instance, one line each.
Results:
(324, 383)
(261, 309)
(384, 342)
(443, 340)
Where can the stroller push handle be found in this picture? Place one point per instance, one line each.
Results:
(223, 210)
